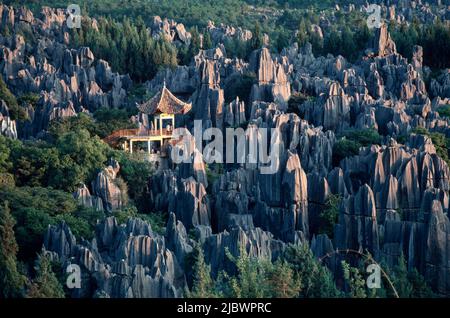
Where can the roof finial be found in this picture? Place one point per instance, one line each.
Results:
(164, 85)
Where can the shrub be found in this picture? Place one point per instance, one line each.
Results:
(344, 148)
(329, 215)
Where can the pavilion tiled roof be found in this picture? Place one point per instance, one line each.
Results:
(164, 102)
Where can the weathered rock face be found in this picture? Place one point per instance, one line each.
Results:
(122, 261)
(107, 188)
(382, 44)
(221, 33)
(396, 209)
(170, 31)
(256, 243)
(273, 84)
(190, 203)
(84, 198)
(233, 114)
(209, 97)
(68, 80)
(441, 85)
(332, 111)
(7, 126)
(437, 249)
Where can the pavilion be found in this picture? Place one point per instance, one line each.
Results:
(161, 110)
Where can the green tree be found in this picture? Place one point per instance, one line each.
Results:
(11, 281)
(203, 284)
(329, 215)
(5, 162)
(207, 41)
(82, 155)
(400, 279)
(15, 111)
(282, 280)
(354, 280)
(257, 38)
(249, 281)
(420, 288)
(302, 33)
(45, 284)
(316, 281)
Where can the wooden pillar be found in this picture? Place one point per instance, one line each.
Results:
(131, 145)
(149, 143)
(160, 126)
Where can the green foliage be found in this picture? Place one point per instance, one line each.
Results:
(400, 279)
(316, 280)
(5, 163)
(282, 280)
(103, 122)
(235, 47)
(74, 157)
(213, 173)
(157, 220)
(36, 208)
(15, 111)
(440, 142)
(136, 174)
(6, 180)
(344, 148)
(420, 288)
(203, 284)
(433, 37)
(351, 141)
(240, 86)
(81, 156)
(127, 46)
(45, 284)
(444, 111)
(354, 280)
(257, 37)
(11, 281)
(329, 215)
(253, 278)
(364, 137)
(28, 99)
(407, 283)
(187, 53)
(249, 281)
(295, 102)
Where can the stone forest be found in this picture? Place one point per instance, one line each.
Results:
(93, 205)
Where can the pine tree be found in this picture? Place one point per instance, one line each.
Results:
(354, 280)
(45, 284)
(249, 281)
(207, 42)
(420, 289)
(282, 281)
(257, 38)
(203, 284)
(11, 281)
(302, 34)
(400, 279)
(316, 280)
